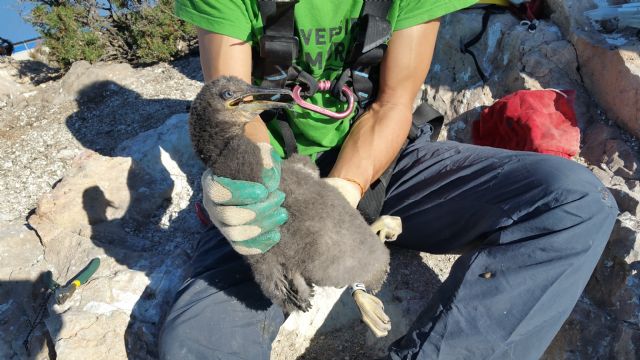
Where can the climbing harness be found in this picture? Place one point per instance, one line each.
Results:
(279, 47)
(356, 86)
(61, 294)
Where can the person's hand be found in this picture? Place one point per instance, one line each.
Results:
(248, 214)
(350, 190)
(372, 312)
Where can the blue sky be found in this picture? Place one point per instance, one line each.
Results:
(12, 26)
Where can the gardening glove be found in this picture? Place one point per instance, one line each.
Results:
(371, 311)
(350, 190)
(247, 213)
(387, 227)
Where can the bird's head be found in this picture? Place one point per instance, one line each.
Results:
(230, 99)
(222, 109)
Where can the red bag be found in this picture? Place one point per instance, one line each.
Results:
(530, 10)
(543, 121)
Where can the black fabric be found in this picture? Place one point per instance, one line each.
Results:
(538, 223)
(290, 146)
(427, 120)
(278, 50)
(284, 127)
(370, 206)
(379, 8)
(6, 47)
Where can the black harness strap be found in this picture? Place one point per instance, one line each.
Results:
(278, 44)
(288, 137)
(372, 32)
(279, 47)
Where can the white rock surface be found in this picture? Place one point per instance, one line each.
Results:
(113, 208)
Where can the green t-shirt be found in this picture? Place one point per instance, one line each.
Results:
(323, 28)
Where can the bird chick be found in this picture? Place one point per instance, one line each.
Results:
(325, 242)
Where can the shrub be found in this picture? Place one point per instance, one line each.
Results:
(135, 31)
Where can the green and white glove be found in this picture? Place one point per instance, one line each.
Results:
(247, 213)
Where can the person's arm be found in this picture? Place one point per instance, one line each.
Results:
(221, 55)
(377, 137)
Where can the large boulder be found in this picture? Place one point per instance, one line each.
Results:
(79, 82)
(609, 61)
(131, 213)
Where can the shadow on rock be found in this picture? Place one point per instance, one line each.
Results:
(23, 305)
(37, 72)
(109, 113)
(187, 67)
(131, 196)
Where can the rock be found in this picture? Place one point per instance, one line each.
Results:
(166, 153)
(587, 334)
(620, 159)
(595, 139)
(11, 89)
(511, 57)
(91, 196)
(21, 267)
(627, 200)
(20, 250)
(609, 63)
(79, 80)
(614, 284)
(115, 209)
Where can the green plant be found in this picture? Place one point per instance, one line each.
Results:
(135, 31)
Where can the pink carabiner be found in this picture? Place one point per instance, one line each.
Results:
(324, 86)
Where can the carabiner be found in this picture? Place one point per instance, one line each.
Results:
(325, 85)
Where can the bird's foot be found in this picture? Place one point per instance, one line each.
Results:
(387, 227)
(372, 313)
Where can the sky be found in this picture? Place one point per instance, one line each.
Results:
(12, 26)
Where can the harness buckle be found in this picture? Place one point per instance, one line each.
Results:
(278, 48)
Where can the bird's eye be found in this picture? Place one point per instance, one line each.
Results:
(227, 94)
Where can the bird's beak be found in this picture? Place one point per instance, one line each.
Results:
(257, 99)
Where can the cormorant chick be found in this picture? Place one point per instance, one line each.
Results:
(325, 242)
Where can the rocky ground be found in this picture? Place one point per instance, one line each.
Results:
(97, 163)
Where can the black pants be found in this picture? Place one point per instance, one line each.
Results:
(531, 227)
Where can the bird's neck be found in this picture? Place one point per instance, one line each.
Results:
(214, 141)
